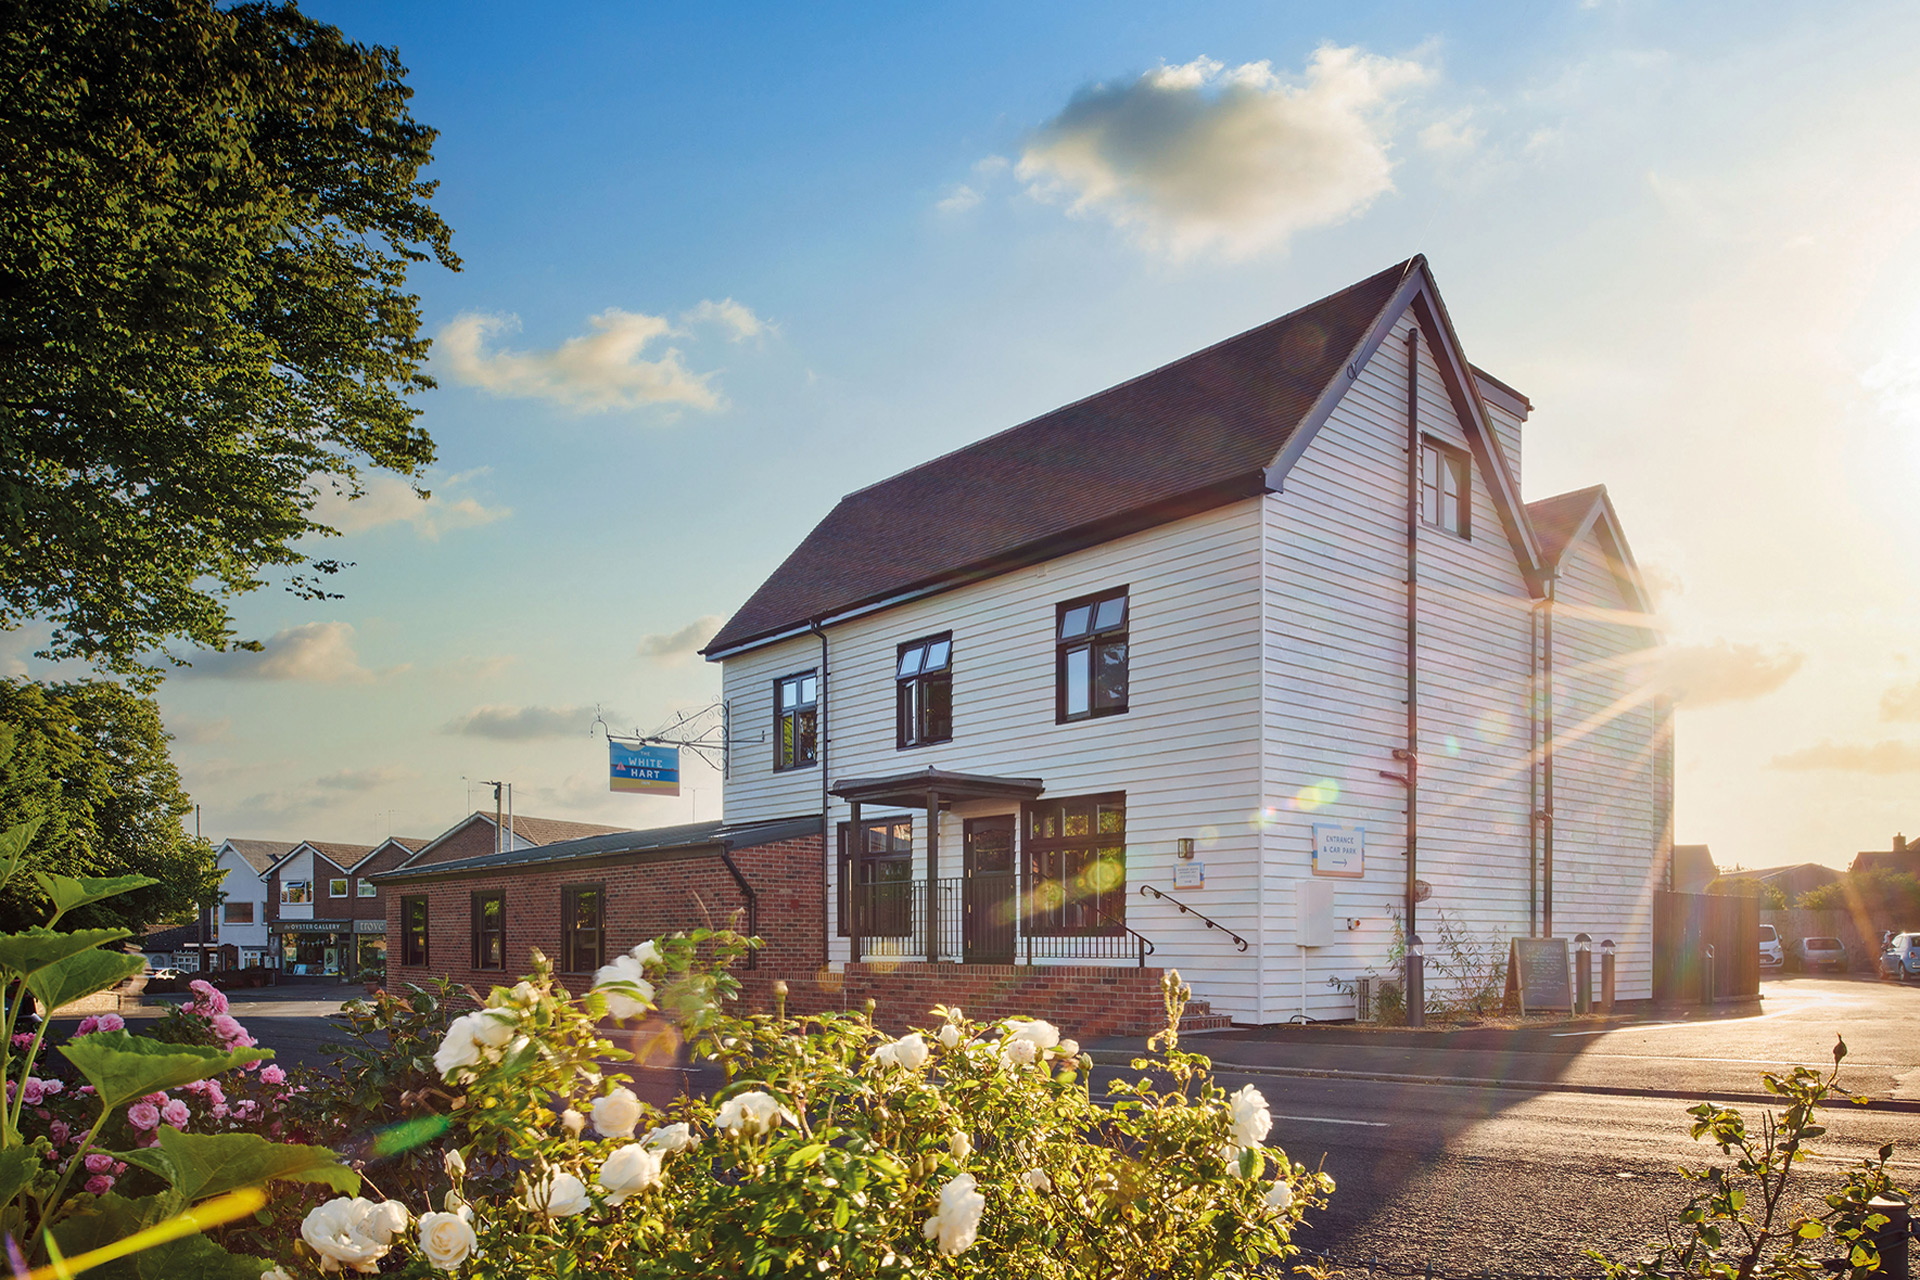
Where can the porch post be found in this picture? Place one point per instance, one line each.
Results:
(849, 872)
(933, 877)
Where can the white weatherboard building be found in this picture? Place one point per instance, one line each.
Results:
(1125, 658)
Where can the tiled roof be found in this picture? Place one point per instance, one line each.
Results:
(612, 844)
(549, 830)
(173, 938)
(1556, 519)
(1189, 436)
(341, 855)
(261, 854)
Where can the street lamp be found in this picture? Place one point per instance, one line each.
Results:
(1606, 975)
(1416, 981)
(1583, 966)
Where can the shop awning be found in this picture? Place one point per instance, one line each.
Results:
(916, 790)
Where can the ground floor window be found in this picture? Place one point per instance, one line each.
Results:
(315, 954)
(1075, 860)
(583, 934)
(876, 873)
(490, 930)
(370, 960)
(413, 931)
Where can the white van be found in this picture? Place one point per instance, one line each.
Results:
(1771, 956)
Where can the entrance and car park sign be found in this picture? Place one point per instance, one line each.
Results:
(653, 770)
(1339, 850)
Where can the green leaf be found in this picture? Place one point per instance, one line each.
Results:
(98, 1221)
(69, 892)
(13, 843)
(123, 1067)
(207, 1164)
(18, 1165)
(81, 975)
(34, 950)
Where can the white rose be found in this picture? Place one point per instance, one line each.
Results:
(447, 1239)
(458, 1050)
(887, 1055)
(1279, 1197)
(1069, 1048)
(524, 992)
(961, 1145)
(909, 1052)
(670, 1138)
(456, 1165)
(647, 953)
(573, 1122)
(949, 1036)
(558, 1195)
(615, 1115)
(752, 1112)
(1249, 1121)
(1026, 1040)
(491, 1027)
(628, 993)
(1038, 1179)
(354, 1233)
(275, 1273)
(1018, 1053)
(629, 1171)
(956, 1224)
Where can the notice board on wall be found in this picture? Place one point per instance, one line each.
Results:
(1539, 975)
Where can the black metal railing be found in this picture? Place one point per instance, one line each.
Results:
(975, 920)
(1146, 889)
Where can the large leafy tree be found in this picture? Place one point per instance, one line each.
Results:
(207, 216)
(90, 761)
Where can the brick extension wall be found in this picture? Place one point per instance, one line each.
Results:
(652, 894)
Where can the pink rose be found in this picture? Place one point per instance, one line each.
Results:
(119, 1167)
(57, 1132)
(272, 1074)
(230, 1032)
(34, 1091)
(220, 1111)
(157, 1099)
(143, 1115)
(99, 1162)
(53, 1086)
(112, 1022)
(25, 1039)
(87, 1027)
(176, 1114)
(215, 1094)
(99, 1184)
(207, 998)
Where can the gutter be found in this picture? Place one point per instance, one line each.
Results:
(725, 850)
(826, 800)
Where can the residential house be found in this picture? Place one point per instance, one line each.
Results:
(1238, 667)
(240, 919)
(1791, 880)
(1691, 869)
(1902, 857)
(326, 916)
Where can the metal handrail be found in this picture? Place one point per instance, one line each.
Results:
(1187, 910)
(1146, 944)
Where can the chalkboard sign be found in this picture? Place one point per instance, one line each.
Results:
(1540, 974)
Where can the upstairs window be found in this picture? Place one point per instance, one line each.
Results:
(336, 888)
(490, 930)
(1090, 665)
(1446, 488)
(238, 912)
(368, 889)
(923, 676)
(796, 718)
(294, 892)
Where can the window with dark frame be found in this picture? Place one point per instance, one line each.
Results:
(237, 912)
(490, 929)
(1075, 855)
(1446, 487)
(1090, 657)
(876, 877)
(923, 677)
(796, 711)
(583, 932)
(413, 930)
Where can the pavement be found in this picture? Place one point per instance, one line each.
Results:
(1718, 1053)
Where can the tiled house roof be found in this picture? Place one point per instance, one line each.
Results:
(1189, 436)
(261, 854)
(1555, 520)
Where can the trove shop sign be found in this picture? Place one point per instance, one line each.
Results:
(1339, 850)
(651, 770)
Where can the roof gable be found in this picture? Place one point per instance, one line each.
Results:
(258, 854)
(1562, 521)
(535, 831)
(1186, 437)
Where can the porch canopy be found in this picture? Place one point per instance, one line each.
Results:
(930, 789)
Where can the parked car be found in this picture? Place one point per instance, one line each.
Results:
(1819, 953)
(1771, 956)
(1902, 957)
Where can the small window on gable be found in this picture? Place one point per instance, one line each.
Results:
(923, 678)
(1446, 487)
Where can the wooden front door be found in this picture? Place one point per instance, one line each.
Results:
(989, 900)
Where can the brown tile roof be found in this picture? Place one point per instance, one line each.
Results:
(551, 830)
(1186, 437)
(1557, 518)
(340, 855)
(261, 854)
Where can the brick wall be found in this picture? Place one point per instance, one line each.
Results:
(475, 838)
(1084, 1001)
(647, 895)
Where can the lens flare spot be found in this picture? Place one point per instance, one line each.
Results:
(408, 1134)
(1208, 836)
(1104, 875)
(1495, 726)
(1453, 745)
(1316, 795)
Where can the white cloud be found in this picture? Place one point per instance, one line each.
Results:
(1901, 702)
(1203, 156)
(318, 652)
(388, 499)
(735, 317)
(1456, 134)
(188, 730)
(1704, 674)
(958, 200)
(593, 373)
(1876, 757)
(522, 724)
(366, 779)
(679, 645)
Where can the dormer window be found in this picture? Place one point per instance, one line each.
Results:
(923, 678)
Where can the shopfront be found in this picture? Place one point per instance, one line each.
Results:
(314, 948)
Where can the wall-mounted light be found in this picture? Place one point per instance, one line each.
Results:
(1183, 847)
(1352, 924)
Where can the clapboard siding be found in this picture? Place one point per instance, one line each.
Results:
(1186, 752)
(1610, 808)
(1336, 690)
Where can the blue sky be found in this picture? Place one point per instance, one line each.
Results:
(874, 233)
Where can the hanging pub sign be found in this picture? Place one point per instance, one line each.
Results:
(1339, 850)
(652, 770)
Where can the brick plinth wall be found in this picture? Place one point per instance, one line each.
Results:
(647, 895)
(1084, 1001)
